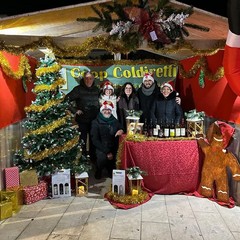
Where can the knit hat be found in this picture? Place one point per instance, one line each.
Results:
(167, 85)
(148, 76)
(108, 85)
(107, 105)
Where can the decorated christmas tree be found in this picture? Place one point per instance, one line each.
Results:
(50, 141)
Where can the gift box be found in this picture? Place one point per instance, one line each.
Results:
(5, 209)
(61, 183)
(35, 193)
(10, 196)
(19, 194)
(11, 177)
(81, 184)
(28, 178)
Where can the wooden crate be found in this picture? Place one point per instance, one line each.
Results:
(194, 128)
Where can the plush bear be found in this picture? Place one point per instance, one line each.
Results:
(214, 180)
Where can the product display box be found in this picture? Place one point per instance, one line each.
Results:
(61, 183)
(118, 182)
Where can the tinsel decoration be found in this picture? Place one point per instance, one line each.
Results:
(127, 199)
(131, 23)
(201, 79)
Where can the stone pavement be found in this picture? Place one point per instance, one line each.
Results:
(164, 217)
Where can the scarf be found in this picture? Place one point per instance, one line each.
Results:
(148, 91)
(109, 120)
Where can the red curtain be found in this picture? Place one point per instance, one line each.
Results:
(13, 98)
(216, 99)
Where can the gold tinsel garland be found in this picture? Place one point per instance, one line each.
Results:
(128, 199)
(47, 152)
(102, 42)
(44, 87)
(50, 127)
(24, 68)
(44, 70)
(202, 64)
(40, 108)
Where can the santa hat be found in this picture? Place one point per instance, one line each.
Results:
(227, 132)
(107, 105)
(167, 85)
(148, 76)
(108, 85)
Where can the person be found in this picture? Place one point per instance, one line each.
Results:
(147, 93)
(105, 132)
(128, 100)
(108, 94)
(85, 96)
(231, 57)
(165, 109)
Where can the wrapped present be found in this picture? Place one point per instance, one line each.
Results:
(28, 178)
(10, 196)
(5, 209)
(35, 193)
(19, 193)
(11, 177)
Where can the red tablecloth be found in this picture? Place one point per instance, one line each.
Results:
(172, 166)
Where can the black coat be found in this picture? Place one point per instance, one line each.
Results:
(146, 102)
(103, 134)
(166, 110)
(86, 99)
(125, 103)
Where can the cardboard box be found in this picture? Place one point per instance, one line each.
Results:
(61, 183)
(118, 182)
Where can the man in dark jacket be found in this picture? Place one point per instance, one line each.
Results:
(86, 100)
(104, 134)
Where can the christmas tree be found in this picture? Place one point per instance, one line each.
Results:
(50, 142)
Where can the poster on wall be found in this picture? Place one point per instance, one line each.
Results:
(119, 74)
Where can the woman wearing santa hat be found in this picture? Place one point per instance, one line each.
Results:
(104, 134)
(165, 109)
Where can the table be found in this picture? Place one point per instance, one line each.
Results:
(173, 166)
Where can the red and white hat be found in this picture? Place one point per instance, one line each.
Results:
(108, 85)
(167, 85)
(107, 105)
(148, 76)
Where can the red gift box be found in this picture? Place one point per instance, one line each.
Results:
(11, 177)
(32, 194)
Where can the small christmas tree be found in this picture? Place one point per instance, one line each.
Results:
(51, 142)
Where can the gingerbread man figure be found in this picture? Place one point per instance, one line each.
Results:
(217, 159)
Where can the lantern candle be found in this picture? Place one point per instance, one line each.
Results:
(81, 190)
(134, 192)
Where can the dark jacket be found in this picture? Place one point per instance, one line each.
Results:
(146, 102)
(86, 99)
(166, 110)
(103, 134)
(125, 103)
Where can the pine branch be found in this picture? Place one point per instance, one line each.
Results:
(198, 27)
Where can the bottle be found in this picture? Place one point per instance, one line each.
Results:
(55, 189)
(66, 188)
(160, 130)
(183, 128)
(166, 130)
(155, 129)
(150, 128)
(172, 129)
(145, 128)
(177, 130)
(61, 189)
